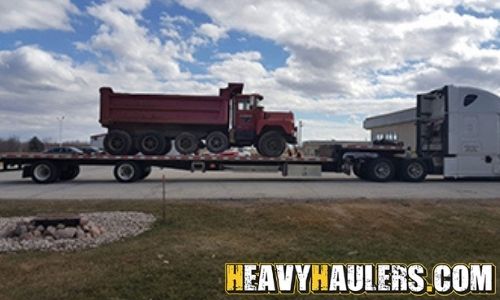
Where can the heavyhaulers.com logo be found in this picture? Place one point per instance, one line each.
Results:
(461, 279)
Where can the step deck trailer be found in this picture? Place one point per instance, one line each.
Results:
(367, 160)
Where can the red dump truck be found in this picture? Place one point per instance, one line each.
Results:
(148, 123)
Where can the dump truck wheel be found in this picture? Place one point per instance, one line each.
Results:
(186, 143)
(413, 170)
(127, 172)
(118, 142)
(45, 172)
(271, 144)
(217, 142)
(70, 172)
(152, 143)
(381, 170)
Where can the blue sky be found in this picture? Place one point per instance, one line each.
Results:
(331, 62)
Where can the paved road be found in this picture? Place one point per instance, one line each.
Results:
(97, 182)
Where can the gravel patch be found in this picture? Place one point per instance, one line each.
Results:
(116, 226)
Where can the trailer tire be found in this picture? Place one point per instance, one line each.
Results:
(186, 143)
(217, 142)
(271, 144)
(70, 172)
(145, 172)
(45, 172)
(380, 170)
(413, 170)
(127, 171)
(152, 143)
(118, 142)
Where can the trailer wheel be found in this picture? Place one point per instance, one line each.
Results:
(145, 172)
(381, 170)
(186, 143)
(413, 170)
(118, 142)
(152, 143)
(70, 172)
(127, 172)
(217, 142)
(45, 172)
(271, 144)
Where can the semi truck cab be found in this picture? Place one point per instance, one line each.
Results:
(458, 129)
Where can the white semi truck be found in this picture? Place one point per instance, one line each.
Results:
(457, 132)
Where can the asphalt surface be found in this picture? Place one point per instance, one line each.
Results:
(97, 182)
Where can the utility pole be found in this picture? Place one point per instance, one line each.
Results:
(60, 120)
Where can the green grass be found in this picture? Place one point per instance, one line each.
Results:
(184, 257)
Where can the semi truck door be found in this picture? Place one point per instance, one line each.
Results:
(244, 120)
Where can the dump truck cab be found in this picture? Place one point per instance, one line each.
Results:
(250, 123)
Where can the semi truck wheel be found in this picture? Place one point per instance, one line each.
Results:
(118, 142)
(271, 144)
(359, 170)
(381, 170)
(186, 143)
(127, 172)
(45, 172)
(217, 142)
(413, 170)
(70, 172)
(152, 143)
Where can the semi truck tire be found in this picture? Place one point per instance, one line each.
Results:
(380, 170)
(45, 172)
(69, 172)
(271, 144)
(152, 143)
(217, 142)
(186, 143)
(359, 170)
(118, 142)
(127, 172)
(413, 170)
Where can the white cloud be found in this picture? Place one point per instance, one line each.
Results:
(212, 31)
(28, 14)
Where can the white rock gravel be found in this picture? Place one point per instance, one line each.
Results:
(117, 225)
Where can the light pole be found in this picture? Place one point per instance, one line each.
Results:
(60, 120)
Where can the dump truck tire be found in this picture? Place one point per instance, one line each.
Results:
(271, 144)
(217, 142)
(118, 142)
(186, 143)
(152, 143)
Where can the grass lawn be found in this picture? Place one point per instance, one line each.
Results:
(184, 257)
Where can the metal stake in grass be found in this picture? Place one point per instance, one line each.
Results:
(163, 199)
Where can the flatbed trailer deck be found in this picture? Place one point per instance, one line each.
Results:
(368, 161)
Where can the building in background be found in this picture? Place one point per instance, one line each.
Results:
(396, 126)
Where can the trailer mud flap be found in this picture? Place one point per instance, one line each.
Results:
(27, 171)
